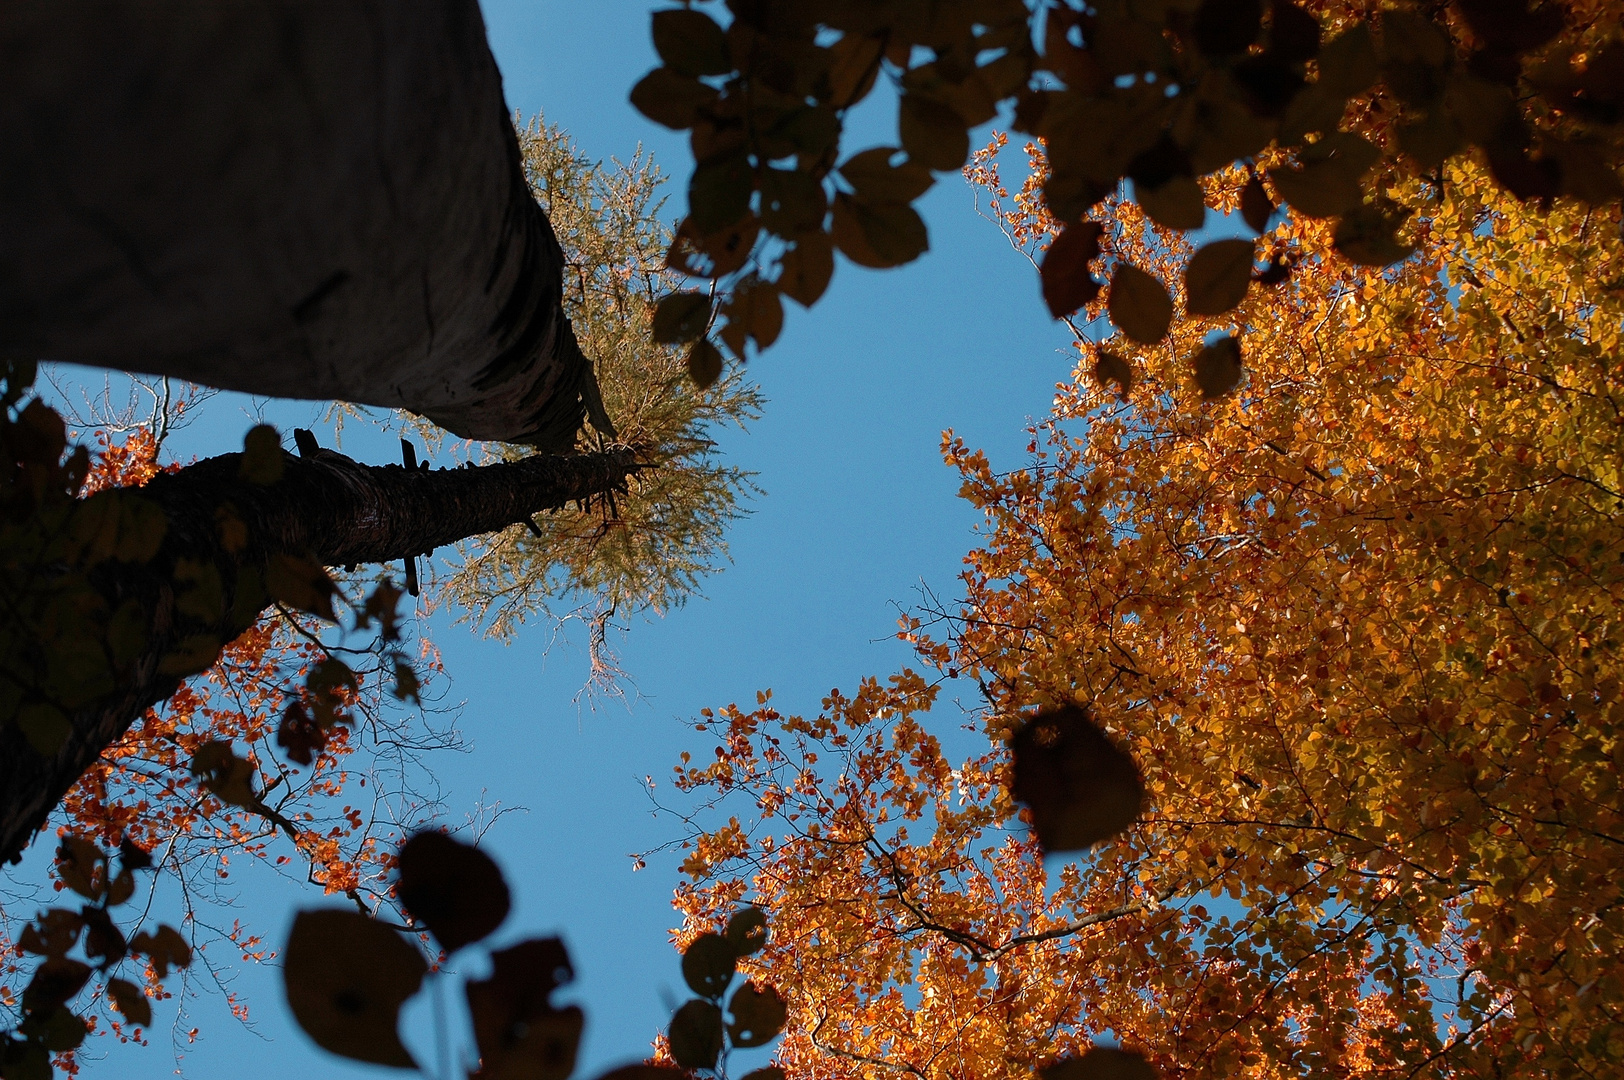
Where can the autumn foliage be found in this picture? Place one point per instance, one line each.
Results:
(1354, 608)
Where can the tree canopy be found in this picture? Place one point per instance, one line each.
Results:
(1356, 617)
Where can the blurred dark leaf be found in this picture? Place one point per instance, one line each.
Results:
(346, 978)
(103, 941)
(1218, 276)
(1218, 368)
(1369, 237)
(792, 202)
(691, 42)
(1067, 283)
(1226, 27)
(933, 133)
(80, 865)
(670, 98)
(696, 1035)
(261, 461)
(807, 268)
(1256, 206)
(1294, 34)
(1139, 304)
(52, 933)
(877, 180)
(227, 777)
(681, 317)
(704, 363)
(747, 931)
(54, 983)
(454, 889)
(520, 1035)
(1080, 787)
(1101, 1063)
(301, 583)
(1176, 204)
(1110, 368)
(854, 64)
(719, 192)
(878, 235)
(128, 999)
(165, 949)
(708, 964)
(758, 1015)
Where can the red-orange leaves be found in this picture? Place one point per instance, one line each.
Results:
(452, 888)
(1067, 284)
(1081, 788)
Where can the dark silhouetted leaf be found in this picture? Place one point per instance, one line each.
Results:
(54, 983)
(1226, 27)
(1110, 368)
(807, 268)
(1176, 204)
(877, 180)
(691, 42)
(1139, 304)
(80, 865)
(346, 977)
(1256, 206)
(704, 363)
(670, 98)
(854, 64)
(1369, 237)
(1279, 269)
(520, 1035)
(644, 1072)
(1101, 1063)
(261, 461)
(58, 1030)
(696, 1035)
(227, 777)
(708, 964)
(452, 888)
(758, 1015)
(933, 133)
(1217, 277)
(104, 942)
(771, 1072)
(792, 202)
(1080, 787)
(757, 311)
(719, 192)
(747, 931)
(300, 735)
(1067, 284)
(128, 999)
(165, 949)
(25, 1060)
(1218, 368)
(52, 933)
(1294, 34)
(301, 583)
(878, 235)
(681, 317)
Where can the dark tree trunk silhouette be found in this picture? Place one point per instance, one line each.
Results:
(327, 508)
(296, 198)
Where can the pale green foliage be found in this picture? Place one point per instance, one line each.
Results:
(647, 548)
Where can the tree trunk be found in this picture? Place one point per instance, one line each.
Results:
(327, 508)
(296, 198)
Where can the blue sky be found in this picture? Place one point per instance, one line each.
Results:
(858, 511)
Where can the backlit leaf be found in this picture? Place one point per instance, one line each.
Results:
(1139, 304)
(933, 133)
(452, 888)
(878, 235)
(708, 964)
(1080, 787)
(696, 1035)
(1067, 283)
(807, 268)
(758, 1015)
(690, 42)
(1218, 368)
(346, 978)
(681, 317)
(128, 999)
(1110, 368)
(876, 179)
(520, 1034)
(1218, 276)
(704, 363)
(671, 98)
(1101, 1063)
(747, 931)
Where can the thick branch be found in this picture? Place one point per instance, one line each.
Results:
(328, 507)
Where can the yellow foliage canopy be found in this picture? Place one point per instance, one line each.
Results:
(1358, 621)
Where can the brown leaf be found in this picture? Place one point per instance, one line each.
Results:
(671, 98)
(1067, 284)
(877, 180)
(1327, 183)
(1369, 237)
(301, 583)
(644, 1072)
(1218, 368)
(52, 933)
(708, 964)
(691, 42)
(226, 776)
(165, 949)
(1101, 1063)
(1256, 206)
(1176, 204)
(792, 202)
(878, 235)
(696, 1035)
(681, 317)
(128, 999)
(103, 940)
(854, 65)
(757, 309)
(81, 866)
(452, 888)
(807, 267)
(1080, 787)
(704, 363)
(1110, 368)
(55, 982)
(719, 192)
(300, 735)
(747, 931)
(346, 978)
(520, 1035)
(758, 1015)
(933, 132)
(1217, 277)
(1139, 304)
(1226, 27)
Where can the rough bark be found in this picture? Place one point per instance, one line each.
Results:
(326, 507)
(296, 198)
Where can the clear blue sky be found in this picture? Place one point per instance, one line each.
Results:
(858, 511)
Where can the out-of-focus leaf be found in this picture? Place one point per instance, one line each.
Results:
(1080, 787)
(1226, 27)
(932, 132)
(747, 931)
(1327, 183)
(719, 192)
(807, 268)
(876, 179)
(878, 235)
(671, 98)
(708, 964)
(1218, 368)
(454, 889)
(758, 1015)
(704, 363)
(792, 202)
(1218, 276)
(128, 999)
(1139, 304)
(520, 1035)
(44, 726)
(346, 978)
(165, 949)
(691, 42)
(1369, 237)
(262, 458)
(1101, 1063)
(1256, 206)
(1176, 204)
(696, 1035)
(1067, 283)
(227, 776)
(854, 65)
(1110, 368)
(681, 317)
(52, 933)
(54, 983)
